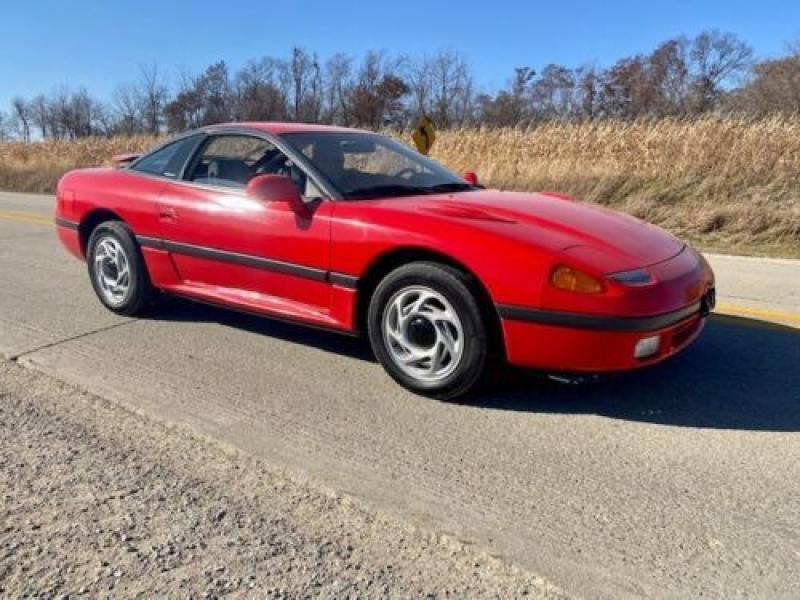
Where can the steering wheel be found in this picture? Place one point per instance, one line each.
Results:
(411, 171)
(271, 162)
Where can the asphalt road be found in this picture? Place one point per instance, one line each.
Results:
(675, 481)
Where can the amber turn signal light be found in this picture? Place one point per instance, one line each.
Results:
(573, 280)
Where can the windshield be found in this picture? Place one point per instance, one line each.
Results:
(366, 165)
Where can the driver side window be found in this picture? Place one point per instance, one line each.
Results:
(231, 161)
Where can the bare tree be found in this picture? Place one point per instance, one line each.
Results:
(625, 89)
(202, 100)
(510, 107)
(306, 79)
(126, 105)
(793, 47)
(106, 122)
(139, 106)
(376, 98)
(679, 77)
(314, 109)
(299, 66)
(555, 93)
(152, 93)
(654, 85)
(41, 115)
(338, 86)
(669, 77)
(450, 87)
(216, 91)
(774, 87)
(716, 59)
(86, 113)
(5, 126)
(419, 77)
(589, 92)
(22, 117)
(185, 110)
(76, 117)
(257, 95)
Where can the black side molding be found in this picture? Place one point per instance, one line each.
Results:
(596, 322)
(342, 280)
(150, 242)
(66, 223)
(248, 260)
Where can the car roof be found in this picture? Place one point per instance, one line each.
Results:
(277, 128)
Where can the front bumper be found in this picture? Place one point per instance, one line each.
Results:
(595, 344)
(673, 308)
(70, 237)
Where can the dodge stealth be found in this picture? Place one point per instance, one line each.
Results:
(355, 232)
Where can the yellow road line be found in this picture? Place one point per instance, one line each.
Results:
(30, 218)
(763, 313)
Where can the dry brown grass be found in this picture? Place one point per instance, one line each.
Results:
(731, 184)
(37, 167)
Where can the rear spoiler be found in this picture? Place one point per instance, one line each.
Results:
(120, 161)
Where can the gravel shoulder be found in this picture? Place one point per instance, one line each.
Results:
(98, 501)
(671, 482)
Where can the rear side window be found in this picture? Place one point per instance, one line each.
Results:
(169, 160)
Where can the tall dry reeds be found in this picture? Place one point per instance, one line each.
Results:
(747, 150)
(726, 183)
(37, 166)
(731, 183)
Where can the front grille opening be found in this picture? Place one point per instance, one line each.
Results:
(683, 335)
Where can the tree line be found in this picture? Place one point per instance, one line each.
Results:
(712, 72)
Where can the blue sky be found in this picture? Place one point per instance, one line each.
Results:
(99, 44)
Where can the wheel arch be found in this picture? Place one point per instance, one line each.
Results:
(91, 220)
(397, 257)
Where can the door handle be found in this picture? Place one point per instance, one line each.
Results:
(167, 214)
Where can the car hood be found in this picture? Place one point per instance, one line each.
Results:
(603, 238)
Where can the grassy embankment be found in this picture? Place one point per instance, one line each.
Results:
(727, 184)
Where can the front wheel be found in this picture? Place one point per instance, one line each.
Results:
(426, 329)
(116, 269)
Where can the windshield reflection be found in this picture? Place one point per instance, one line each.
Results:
(365, 165)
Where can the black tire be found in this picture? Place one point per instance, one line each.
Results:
(139, 293)
(456, 288)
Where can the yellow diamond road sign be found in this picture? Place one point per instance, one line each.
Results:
(424, 135)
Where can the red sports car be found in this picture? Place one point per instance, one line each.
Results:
(355, 232)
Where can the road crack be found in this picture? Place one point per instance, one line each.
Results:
(16, 357)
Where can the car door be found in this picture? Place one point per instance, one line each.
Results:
(236, 248)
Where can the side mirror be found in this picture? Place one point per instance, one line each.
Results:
(471, 178)
(277, 188)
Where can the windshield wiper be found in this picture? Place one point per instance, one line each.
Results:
(377, 191)
(453, 186)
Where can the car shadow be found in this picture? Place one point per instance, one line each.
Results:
(740, 374)
(171, 308)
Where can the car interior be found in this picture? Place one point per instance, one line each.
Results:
(235, 172)
(354, 164)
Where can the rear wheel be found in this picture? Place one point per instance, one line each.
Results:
(426, 330)
(117, 270)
